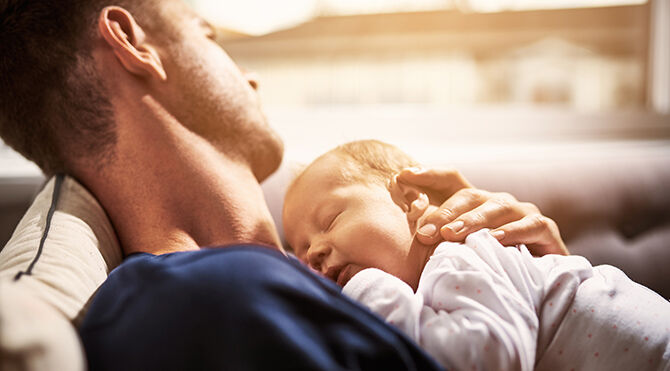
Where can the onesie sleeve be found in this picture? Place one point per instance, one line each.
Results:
(474, 308)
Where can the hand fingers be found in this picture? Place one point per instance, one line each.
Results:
(539, 233)
(446, 181)
(461, 202)
(499, 209)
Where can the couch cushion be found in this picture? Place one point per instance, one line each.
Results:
(34, 336)
(79, 250)
(62, 250)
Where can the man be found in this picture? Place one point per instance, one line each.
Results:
(140, 104)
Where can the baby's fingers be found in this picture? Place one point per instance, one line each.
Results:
(539, 233)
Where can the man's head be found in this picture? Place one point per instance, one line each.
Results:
(346, 212)
(52, 104)
(71, 72)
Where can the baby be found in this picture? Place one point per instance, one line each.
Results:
(476, 305)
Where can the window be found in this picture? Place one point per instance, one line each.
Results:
(524, 53)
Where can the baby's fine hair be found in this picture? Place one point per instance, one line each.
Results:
(367, 161)
(372, 161)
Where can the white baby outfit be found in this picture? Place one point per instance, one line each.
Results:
(482, 306)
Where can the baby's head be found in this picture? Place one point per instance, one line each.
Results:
(345, 212)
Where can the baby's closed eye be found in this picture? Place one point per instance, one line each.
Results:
(330, 221)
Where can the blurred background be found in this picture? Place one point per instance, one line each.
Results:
(450, 81)
(454, 73)
(508, 66)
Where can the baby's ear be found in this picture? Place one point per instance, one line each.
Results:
(411, 199)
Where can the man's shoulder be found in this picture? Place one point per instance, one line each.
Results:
(208, 276)
(202, 259)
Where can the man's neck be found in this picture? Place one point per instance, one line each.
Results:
(168, 190)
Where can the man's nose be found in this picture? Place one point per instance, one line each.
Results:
(317, 254)
(252, 77)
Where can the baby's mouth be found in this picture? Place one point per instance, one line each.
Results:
(333, 272)
(345, 274)
(341, 274)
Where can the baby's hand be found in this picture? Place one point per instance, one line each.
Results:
(466, 209)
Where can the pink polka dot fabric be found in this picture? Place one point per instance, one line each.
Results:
(612, 323)
(482, 306)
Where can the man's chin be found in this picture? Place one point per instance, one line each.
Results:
(269, 162)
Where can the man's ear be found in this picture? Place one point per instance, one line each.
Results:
(413, 201)
(128, 41)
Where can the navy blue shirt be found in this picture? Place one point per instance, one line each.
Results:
(235, 308)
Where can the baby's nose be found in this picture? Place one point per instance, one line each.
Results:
(316, 255)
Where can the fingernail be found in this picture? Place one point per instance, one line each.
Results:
(498, 235)
(456, 226)
(415, 170)
(427, 230)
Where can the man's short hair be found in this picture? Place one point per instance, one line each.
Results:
(54, 108)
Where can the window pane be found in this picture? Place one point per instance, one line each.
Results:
(590, 59)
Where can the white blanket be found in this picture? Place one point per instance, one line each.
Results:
(481, 306)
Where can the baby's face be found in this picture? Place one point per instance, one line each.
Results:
(340, 229)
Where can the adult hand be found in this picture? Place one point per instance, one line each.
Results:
(465, 209)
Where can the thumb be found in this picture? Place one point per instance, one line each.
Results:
(446, 181)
